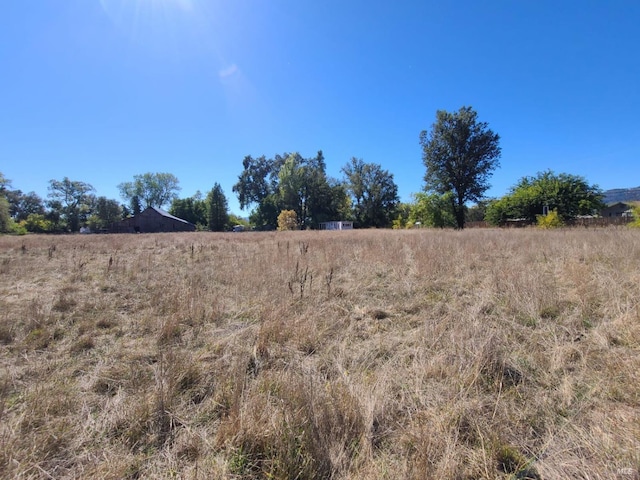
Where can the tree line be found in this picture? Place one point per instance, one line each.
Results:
(287, 182)
(72, 205)
(459, 152)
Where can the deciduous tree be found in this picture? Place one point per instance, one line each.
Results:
(304, 188)
(257, 181)
(192, 209)
(569, 195)
(5, 183)
(432, 210)
(460, 154)
(150, 189)
(24, 204)
(6, 222)
(73, 198)
(105, 212)
(287, 220)
(288, 182)
(373, 191)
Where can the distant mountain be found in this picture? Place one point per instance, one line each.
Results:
(622, 195)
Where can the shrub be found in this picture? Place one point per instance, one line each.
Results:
(287, 220)
(37, 223)
(636, 217)
(550, 220)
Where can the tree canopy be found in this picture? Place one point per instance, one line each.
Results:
(73, 199)
(569, 195)
(289, 182)
(151, 189)
(460, 154)
(6, 222)
(217, 209)
(105, 212)
(432, 210)
(373, 192)
(192, 209)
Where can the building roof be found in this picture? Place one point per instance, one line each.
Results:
(168, 215)
(617, 204)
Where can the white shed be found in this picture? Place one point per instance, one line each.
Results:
(336, 225)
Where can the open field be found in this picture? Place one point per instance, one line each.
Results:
(346, 355)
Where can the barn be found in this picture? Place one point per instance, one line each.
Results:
(152, 220)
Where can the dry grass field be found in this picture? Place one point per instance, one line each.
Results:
(344, 355)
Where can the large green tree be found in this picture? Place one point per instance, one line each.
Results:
(304, 188)
(5, 183)
(24, 204)
(569, 195)
(6, 222)
(289, 182)
(150, 189)
(432, 210)
(73, 201)
(192, 209)
(257, 187)
(217, 209)
(373, 192)
(460, 154)
(106, 211)
(258, 180)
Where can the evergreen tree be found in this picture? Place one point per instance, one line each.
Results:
(217, 209)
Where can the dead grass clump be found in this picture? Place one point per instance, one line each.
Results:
(291, 427)
(512, 462)
(38, 339)
(64, 303)
(170, 332)
(134, 424)
(106, 323)
(84, 343)
(6, 333)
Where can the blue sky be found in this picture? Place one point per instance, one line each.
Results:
(102, 90)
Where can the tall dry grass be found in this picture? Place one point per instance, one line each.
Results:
(345, 355)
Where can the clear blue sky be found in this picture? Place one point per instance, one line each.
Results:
(101, 90)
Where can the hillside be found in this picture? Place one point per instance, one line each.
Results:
(622, 195)
(321, 355)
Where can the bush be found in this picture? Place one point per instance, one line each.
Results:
(287, 220)
(636, 217)
(37, 223)
(550, 220)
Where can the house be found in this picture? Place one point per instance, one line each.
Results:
(152, 220)
(619, 209)
(336, 225)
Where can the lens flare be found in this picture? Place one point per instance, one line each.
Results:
(148, 17)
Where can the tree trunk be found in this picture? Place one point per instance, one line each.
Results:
(458, 210)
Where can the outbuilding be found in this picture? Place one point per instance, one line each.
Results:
(619, 209)
(336, 225)
(152, 220)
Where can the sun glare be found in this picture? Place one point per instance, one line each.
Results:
(137, 16)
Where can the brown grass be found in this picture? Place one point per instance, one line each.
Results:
(345, 355)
